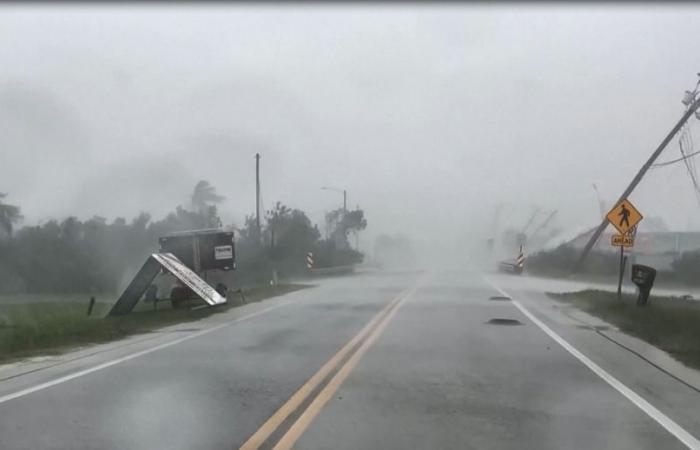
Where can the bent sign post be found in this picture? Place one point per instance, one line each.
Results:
(625, 218)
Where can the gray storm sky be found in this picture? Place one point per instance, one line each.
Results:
(428, 115)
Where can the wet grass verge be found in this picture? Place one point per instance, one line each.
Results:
(668, 323)
(51, 327)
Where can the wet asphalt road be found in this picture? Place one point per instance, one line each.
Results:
(438, 376)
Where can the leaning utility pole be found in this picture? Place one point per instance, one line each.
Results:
(257, 193)
(692, 107)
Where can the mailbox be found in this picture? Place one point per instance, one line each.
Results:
(643, 277)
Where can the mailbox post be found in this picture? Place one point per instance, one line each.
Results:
(643, 277)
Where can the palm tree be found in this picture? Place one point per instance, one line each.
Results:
(9, 215)
(204, 194)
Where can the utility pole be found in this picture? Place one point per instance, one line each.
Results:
(345, 206)
(357, 234)
(257, 193)
(692, 107)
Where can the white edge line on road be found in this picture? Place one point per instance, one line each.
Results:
(113, 362)
(672, 427)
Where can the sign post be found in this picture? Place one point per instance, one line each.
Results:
(624, 217)
(623, 263)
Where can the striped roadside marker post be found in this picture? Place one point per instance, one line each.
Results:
(310, 260)
(520, 260)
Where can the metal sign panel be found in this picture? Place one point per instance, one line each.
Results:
(624, 216)
(189, 278)
(136, 288)
(622, 240)
(144, 277)
(223, 252)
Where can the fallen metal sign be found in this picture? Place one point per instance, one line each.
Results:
(622, 240)
(189, 278)
(145, 276)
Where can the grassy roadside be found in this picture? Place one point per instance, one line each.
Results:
(669, 323)
(42, 328)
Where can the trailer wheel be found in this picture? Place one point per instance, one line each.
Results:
(178, 295)
(222, 289)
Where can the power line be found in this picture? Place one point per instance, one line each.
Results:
(689, 163)
(673, 161)
(687, 148)
(692, 105)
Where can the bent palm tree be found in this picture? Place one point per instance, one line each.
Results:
(9, 215)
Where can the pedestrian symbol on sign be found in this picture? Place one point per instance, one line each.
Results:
(624, 216)
(625, 213)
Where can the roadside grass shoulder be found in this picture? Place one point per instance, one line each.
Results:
(669, 323)
(52, 327)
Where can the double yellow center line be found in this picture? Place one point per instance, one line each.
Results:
(351, 353)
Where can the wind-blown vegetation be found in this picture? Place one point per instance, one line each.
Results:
(561, 260)
(9, 215)
(94, 256)
(686, 269)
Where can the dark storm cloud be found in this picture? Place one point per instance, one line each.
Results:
(429, 116)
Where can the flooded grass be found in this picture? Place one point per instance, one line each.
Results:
(669, 323)
(51, 325)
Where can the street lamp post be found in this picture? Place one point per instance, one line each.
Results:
(345, 196)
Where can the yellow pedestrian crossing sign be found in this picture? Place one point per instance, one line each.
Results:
(624, 216)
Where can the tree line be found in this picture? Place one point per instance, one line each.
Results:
(94, 255)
